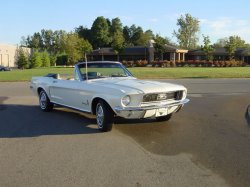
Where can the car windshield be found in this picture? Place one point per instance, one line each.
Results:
(103, 70)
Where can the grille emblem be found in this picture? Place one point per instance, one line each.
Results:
(161, 96)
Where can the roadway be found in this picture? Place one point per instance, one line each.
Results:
(205, 144)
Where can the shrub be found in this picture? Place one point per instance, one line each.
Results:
(62, 60)
(45, 59)
(141, 63)
(36, 60)
(53, 60)
(22, 62)
(128, 63)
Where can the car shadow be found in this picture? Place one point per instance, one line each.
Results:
(247, 114)
(120, 121)
(29, 121)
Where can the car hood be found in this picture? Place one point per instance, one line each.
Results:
(132, 85)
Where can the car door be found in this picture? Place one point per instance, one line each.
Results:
(70, 93)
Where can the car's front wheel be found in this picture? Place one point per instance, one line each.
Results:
(164, 118)
(104, 116)
(44, 102)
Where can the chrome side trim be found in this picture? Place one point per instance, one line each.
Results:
(177, 103)
(74, 108)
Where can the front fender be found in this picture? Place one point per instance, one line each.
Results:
(112, 100)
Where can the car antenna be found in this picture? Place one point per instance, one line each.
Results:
(86, 66)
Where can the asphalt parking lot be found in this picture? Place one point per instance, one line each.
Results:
(205, 144)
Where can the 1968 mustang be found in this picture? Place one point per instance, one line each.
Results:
(107, 89)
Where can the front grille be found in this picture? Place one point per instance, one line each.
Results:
(163, 96)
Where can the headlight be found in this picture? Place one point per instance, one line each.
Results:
(126, 100)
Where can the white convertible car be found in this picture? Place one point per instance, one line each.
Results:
(108, 89)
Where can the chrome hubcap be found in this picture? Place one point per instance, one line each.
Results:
(43, 100)
(99, 115)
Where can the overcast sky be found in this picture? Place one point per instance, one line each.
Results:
(218, 18)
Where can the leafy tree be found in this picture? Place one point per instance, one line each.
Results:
(84, 33)
(160, 46)
(144, 38)
(116, 26)
(117, 36)
(71, 49)
(118, 43)
(36, 60)
(100, 32)
(23, 41)
(108, 22)
(84, 47)
(147, 35)
(135, 36)
(22, 61)
(45, 59)
(76, 48)
(247, 46)
(59, 44)
(220, 43)
(34, 41)
(62, 59)
(232, 44)
(48, 39)
(127, 36)
(207, 48)
(53, 60)
(187, 32)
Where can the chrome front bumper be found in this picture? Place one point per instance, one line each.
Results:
(150, 111)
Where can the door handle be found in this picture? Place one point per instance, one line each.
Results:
(54, 81)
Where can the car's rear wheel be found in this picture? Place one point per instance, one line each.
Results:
(44, 102)
(104, 116)
(164, 118)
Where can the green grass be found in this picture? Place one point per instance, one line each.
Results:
(143, 73)
(191, 72)
(26, 74)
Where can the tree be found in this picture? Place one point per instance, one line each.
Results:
(127, 36)
(84, 33)
(207, 48)
(22, 61)
(76, 48)
(116, 26)
(84, 47)
(48, 39)
(71, 49)
(100, 32)
(117, 36)
(36, 60)
(220, 43)
(45, 59)
(159, 46)
(147, 35)
(135, 36)
(118, 43)
(232, 44)
(34, 41)
(53, 60)
(59, 44)
(187, 33)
